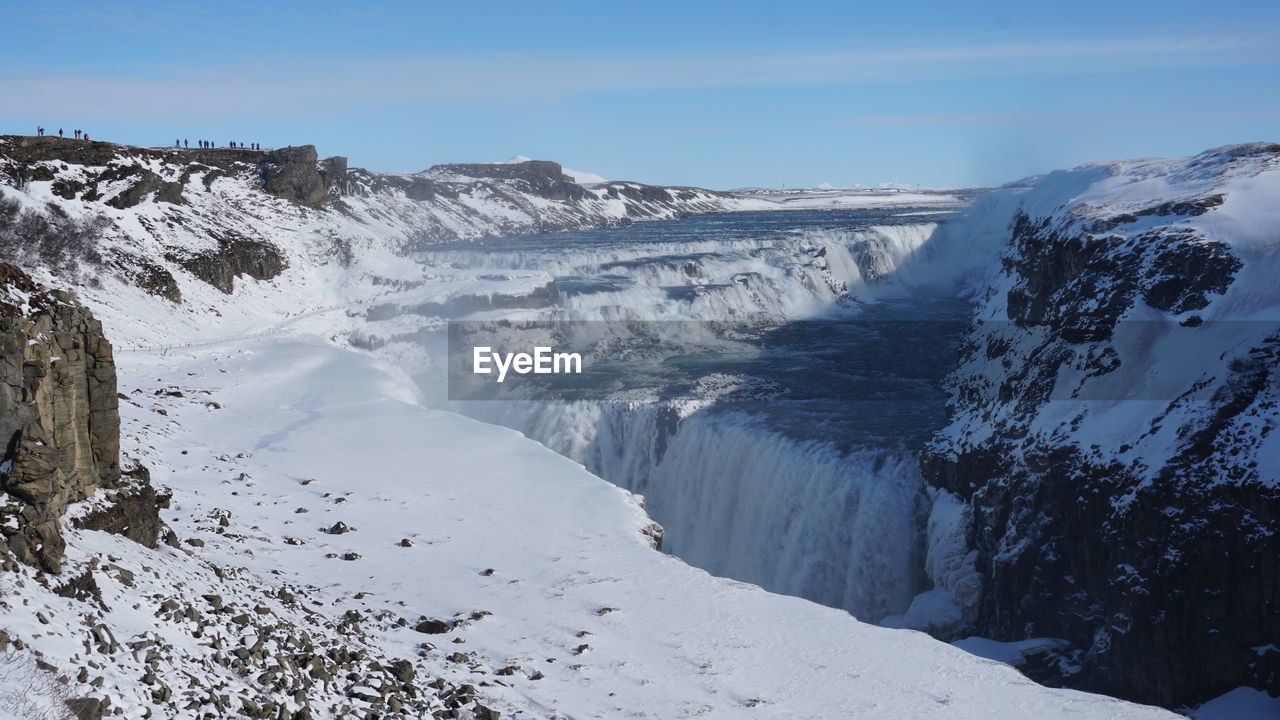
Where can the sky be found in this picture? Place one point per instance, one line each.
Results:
(714, 94)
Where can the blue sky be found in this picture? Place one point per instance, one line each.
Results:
(716, 94)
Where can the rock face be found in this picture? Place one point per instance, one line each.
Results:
(58, 416)
(293, 173)
(1113, 427)
(233, 257)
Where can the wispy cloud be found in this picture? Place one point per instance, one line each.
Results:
(1094, 115)
(337, 85)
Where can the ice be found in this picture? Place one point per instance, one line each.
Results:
(1243, 703)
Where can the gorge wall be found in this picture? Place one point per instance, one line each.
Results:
(1113, 424)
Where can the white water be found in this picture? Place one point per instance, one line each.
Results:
(740, 501)
(776, 277)
(795, 515)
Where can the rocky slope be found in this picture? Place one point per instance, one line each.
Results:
(1113, 423)
(92, 625)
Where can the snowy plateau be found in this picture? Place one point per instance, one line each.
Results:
(276, 518)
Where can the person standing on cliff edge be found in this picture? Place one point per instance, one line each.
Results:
(59, 132)
(39, 131)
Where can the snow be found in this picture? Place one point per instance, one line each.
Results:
(1243, 703)
(583, 178)
(565, 548)
(934, 611)
(1009, 653)
(1249, 215)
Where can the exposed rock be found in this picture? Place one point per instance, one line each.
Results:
(58, 415)
(149, 276)
(333, 171)
(292, 173)
(131, 509)
(82, 587)
(233, 257)
(85, 708)
(145, 182)
(402, 670)
(431, 626)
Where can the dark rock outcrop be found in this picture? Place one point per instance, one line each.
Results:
(131, 510)
(233, 257)
(59, 418)
(294, 173)
(149, 276)
(145, 182)
(88, 708)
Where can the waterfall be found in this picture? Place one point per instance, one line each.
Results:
(797, 515)
(741, 501)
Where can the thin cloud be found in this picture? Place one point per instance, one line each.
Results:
(1094, 116)
(313, 87)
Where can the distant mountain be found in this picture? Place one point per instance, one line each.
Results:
(580, 177)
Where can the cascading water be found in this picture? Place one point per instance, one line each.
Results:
(810, 487)
(742, 501)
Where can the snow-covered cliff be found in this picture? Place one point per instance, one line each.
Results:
(1113, 423)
